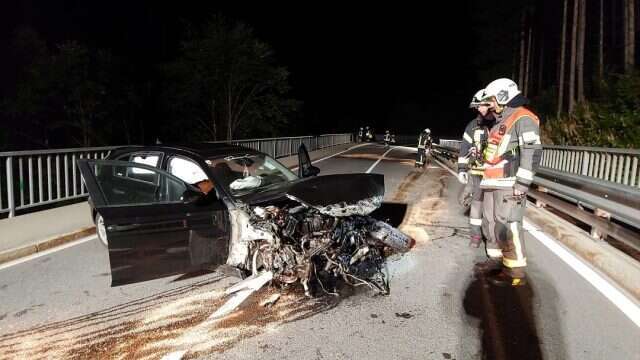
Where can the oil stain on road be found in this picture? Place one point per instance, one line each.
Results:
(506, 317)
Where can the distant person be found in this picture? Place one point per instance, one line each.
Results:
(511, 159)
(369, 134)
(361, 134)
(387, 138)
(424, 146)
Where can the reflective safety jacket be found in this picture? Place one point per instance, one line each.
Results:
(424, 140)
(475, 137)
(513, 151)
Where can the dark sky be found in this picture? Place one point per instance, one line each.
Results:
(397, 66)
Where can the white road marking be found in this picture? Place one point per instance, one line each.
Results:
(407, 148)
(379, 159)
(617, 297)
(46, 252)
(336, 154)
(630, 308)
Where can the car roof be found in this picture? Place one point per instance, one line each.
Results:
(205, 150)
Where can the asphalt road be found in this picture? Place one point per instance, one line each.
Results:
(61, 306)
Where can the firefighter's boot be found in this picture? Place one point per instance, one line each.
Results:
(505, 279)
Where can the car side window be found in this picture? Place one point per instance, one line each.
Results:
(146, 158)
(186, 170)
(120, 189)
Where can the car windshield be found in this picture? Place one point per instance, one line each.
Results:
(246, 173)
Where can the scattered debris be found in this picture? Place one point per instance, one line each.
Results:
(236, 300)
(240, 292)
(404, 315)
(254, 283)
(270, 300)
(375, 316)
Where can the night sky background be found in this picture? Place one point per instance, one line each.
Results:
(398, 67)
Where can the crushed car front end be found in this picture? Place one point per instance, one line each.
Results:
(318, 232)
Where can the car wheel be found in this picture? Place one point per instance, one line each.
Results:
(101, 230)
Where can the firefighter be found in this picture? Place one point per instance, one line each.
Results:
(424, 144)
(369, 134)
(387, 138)
(470, 169)
(361, 134)
(511, 157)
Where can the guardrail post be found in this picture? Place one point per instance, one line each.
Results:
(10, 192)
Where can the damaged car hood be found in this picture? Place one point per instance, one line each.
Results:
(334, 195)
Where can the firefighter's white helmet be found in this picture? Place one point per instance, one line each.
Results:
(504, 90)
(476, 100)
(427, 131)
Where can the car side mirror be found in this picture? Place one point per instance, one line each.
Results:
(305, 169)
(311, 171)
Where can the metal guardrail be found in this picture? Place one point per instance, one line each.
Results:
(283, 147)
(450, 144)
(604, 180)
(605, 165)
(618, 166)
(42, 177)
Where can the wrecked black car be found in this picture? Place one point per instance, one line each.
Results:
(167, 210)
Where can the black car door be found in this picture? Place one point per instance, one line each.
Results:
(157, 225)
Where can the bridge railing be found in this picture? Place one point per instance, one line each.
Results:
(30, 179)
(42, 177)
(619, 166)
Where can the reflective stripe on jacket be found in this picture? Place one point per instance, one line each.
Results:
(514, 149)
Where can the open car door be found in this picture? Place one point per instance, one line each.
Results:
(156, 224)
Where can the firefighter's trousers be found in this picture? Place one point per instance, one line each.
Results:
(506, 211)
(475, 213)
(421, 156)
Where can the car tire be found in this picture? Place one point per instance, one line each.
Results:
(101, 230)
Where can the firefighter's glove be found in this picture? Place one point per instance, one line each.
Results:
(520, 190)
(463, 178)
(473, 152)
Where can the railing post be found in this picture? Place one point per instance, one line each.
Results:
(10, 191)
